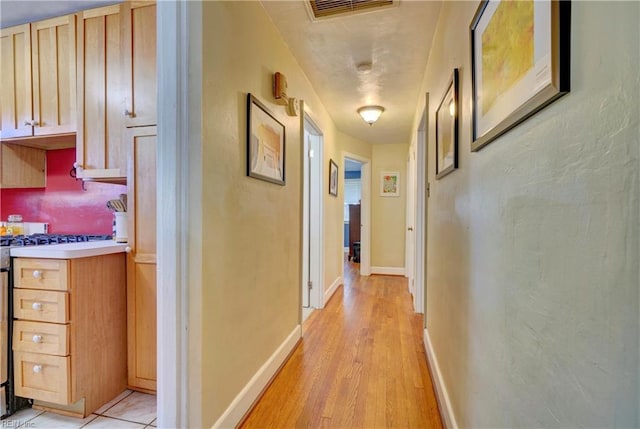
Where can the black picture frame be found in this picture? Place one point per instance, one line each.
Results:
(447, 128)
(516, 85)
(333, 178)
(266, 143)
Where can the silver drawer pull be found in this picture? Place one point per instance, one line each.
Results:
(37, 338)
(37, 274)
(37, 369)
(37, 306)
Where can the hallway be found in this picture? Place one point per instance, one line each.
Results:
(361, 364)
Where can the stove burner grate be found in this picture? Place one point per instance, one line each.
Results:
(43, 239)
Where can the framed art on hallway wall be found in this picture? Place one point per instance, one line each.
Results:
(389, 184)
(519, 63)
(265, 143)
(333, 178)
(447, 129)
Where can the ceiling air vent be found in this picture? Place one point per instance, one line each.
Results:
(325, 8)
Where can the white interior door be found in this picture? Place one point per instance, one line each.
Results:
(306, 291)
(312, 263)
(421, 202)
(410, 261)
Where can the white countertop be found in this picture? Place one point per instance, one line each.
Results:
(69, 250)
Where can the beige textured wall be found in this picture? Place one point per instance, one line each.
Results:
(251, 244)
(532, 275)
(354, 146)
(388, 214)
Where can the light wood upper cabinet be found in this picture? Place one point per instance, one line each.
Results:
(117, 85)
(39, 78)
(141, 262)
(100, 148)
(139, 48)
(16, 112)
(53, 49)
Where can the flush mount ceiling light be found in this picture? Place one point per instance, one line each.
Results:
(370, 114)
(364, 68)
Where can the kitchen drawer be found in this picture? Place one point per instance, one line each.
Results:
(38, 337)
(49, 274)
(41, 306)
(41, 376)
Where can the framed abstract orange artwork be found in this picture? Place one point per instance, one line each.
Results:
(519, 62)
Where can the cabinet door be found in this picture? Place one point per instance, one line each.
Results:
(139, 49)
(141, 262)
(16, 111)
(53, 44)
(100, 149)
(22, 167)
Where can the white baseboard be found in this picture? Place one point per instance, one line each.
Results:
(332, 289)
(389, 271)
(444, 404)
(250, 393)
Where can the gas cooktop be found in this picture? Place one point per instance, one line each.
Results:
(42, 239)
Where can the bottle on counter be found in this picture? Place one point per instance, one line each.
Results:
(15, 226)
(3, 228)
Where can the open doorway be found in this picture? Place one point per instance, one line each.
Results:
(312, 243)
(357, 202)
(352, 212)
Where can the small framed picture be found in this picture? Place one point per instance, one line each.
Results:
(390, 184)
(265, 143)
(333, 178)
(447, 129)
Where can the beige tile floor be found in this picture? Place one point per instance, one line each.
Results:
(128, 410)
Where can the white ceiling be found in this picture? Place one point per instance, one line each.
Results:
(395, 40)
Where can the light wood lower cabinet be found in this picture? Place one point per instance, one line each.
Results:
(69, 333)
(141, 262)
(44, 377)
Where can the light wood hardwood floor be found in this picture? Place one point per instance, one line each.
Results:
(361, 364)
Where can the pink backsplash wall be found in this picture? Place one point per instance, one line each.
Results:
(63, 204)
